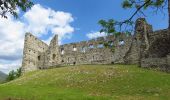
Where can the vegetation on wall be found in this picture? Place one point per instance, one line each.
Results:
(110, 45)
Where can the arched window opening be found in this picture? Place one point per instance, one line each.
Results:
(39, 58)
(83, 49)
(91, 46)
(121, 42)
(100, 45)
(62, 51)
(111, 43)
(74, 63)
(74, 48)
(68, 60)
(93, 58)
(54, 56)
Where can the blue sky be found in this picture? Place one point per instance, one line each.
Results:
(72, 20)
(88, 12)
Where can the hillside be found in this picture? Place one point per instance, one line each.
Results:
(2, 76)
(89, 82)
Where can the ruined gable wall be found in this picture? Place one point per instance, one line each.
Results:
(139, 42)
(33, 47)
(52, 57)
(157, 56)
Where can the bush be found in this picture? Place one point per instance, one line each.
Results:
(14, 74)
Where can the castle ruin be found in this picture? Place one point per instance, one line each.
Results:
(145, 48)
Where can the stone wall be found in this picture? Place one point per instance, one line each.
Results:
(145, 48)
(157, 56)
(154, 62)
(33, 47)
(157, 53)
(87, 52)
(84, 52)
(159, 43)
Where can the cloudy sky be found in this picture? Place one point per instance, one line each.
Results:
(72, 20)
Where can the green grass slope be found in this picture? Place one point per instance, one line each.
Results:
(89, 82)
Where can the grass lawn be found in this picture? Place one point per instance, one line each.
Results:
(89, 82)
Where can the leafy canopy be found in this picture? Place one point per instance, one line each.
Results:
(14, 74)
(10, 6)
(138, 3)
(115, 27)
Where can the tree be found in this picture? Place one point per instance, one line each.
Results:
(10, 6)
(11, 75)
(14, 74)
(18, 72)
(140, 6)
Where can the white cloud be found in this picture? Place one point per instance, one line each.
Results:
(10, 66)
(63, 32)
(93, 35)
(42, 20)
(39, 21)
(11, 41)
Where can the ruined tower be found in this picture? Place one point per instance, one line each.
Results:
(38, 55)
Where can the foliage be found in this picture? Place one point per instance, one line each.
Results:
(110, 45)
(107, 26)
(10, 6)
(18, 73)
(11, 75)
(142, 3)
(90, 82)
(14, 74)
(113, 27)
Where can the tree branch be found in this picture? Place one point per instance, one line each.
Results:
(137, 10)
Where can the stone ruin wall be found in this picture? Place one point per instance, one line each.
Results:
(145, 48)
(154, 46)
(33, 47)
(38, 55)
(86, 52)
(158, 54)
(94, 52)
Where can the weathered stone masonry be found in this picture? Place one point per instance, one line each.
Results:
(145, 48)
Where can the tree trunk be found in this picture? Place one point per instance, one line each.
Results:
(169, 14)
